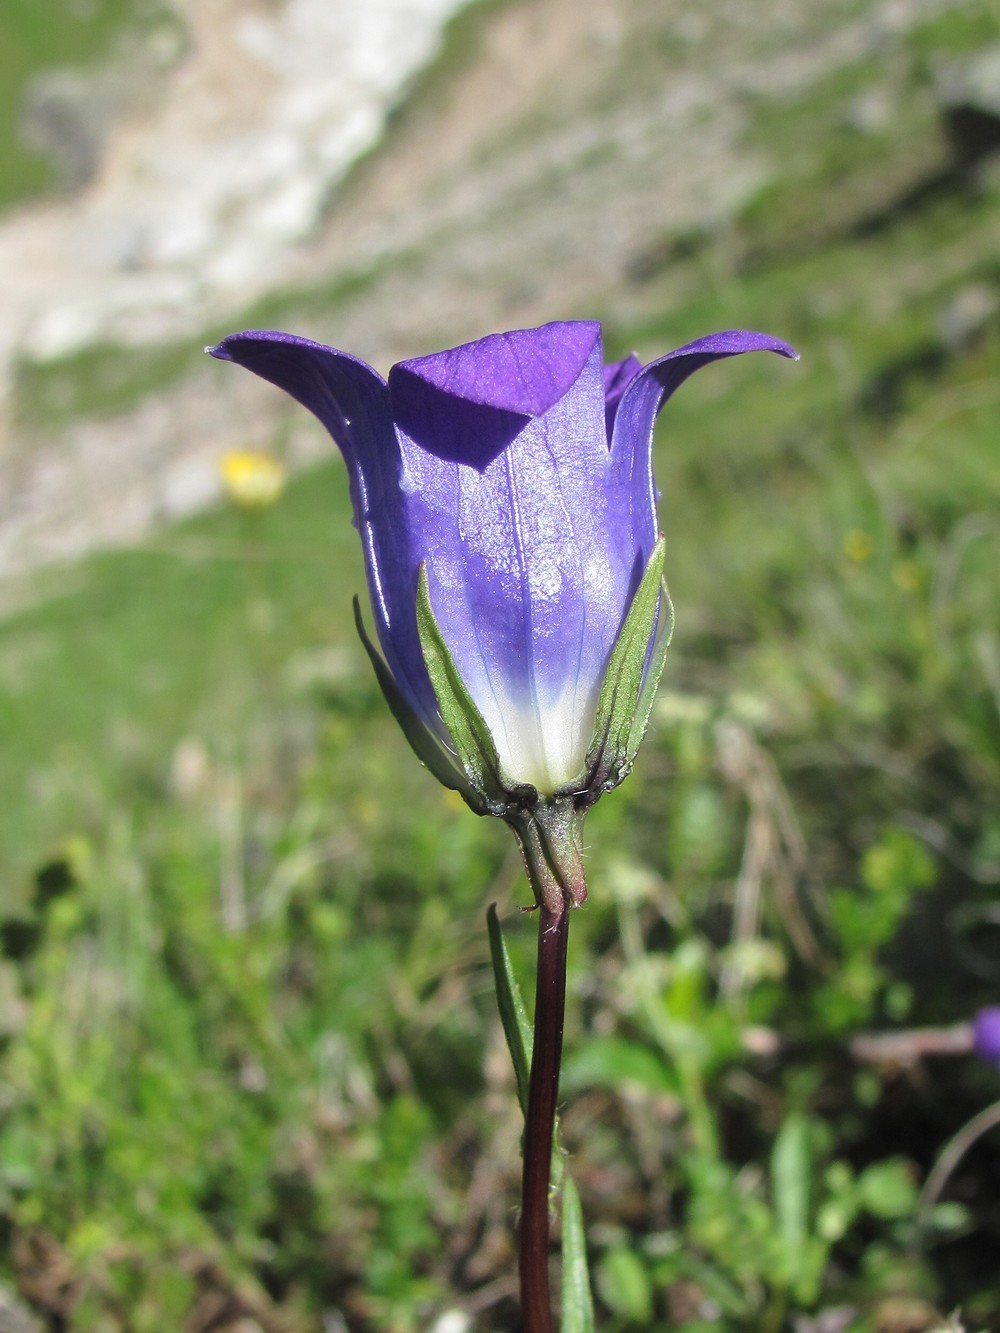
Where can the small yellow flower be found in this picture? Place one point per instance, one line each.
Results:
(253, 479)
(858, 546)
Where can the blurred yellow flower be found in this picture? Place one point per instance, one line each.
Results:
(253, 479)
(858, 545)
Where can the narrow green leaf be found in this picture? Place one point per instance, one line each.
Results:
(577, 1302)
(513, 1012)
(791, 1165)
(518, 1031)
(469, 733)
(657, 658)
(616, 707)
(422, 741)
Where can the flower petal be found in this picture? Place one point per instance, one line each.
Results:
(352, 401)
(529, 576)
(986, 1034)
(467, 404)
(651, 388)
(618, 375)
(645, 395)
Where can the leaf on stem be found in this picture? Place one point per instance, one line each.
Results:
(577, 1302)
(513, 1012)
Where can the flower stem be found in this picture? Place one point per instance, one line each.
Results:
(550, 1003)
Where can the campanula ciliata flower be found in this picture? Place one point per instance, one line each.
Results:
(516, 470)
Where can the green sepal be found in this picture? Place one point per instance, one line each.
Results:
(551, 840)
(469, 734)
(610, 756)
(513, 1011)
(657, 658)
(577, 1302)
(423, 742)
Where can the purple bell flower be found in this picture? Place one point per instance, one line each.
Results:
(517, 471)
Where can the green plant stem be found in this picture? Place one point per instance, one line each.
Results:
(543, 1089)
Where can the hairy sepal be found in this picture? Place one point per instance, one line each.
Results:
(630, 682)
(654, 670)
(424, 744)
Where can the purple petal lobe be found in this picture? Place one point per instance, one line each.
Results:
(650, 389)
(352, 402)
(645, 395)
(346, 394)
(467, 404)
(618, 375)
(526, 371)
(986, 1035)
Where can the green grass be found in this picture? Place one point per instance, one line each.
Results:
(960, 30)
(180, 620)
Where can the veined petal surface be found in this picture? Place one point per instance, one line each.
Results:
(530, 573)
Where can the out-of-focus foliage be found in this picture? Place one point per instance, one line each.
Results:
(251, 1066)
(52, 118)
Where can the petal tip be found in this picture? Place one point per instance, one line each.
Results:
(763, 342)
(748, 340)
(524, 371)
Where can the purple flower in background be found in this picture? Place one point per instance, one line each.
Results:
(986, 1035)
(517, 470)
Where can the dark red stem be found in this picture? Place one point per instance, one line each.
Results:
(543, 1091)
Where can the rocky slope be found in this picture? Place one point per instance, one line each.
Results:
(545, 170)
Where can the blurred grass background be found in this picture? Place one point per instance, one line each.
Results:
(250, 1074)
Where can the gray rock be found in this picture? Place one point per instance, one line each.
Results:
(67, 116)
(15, 1317)
(969, 94)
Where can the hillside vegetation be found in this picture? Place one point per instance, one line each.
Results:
(251, 1074)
